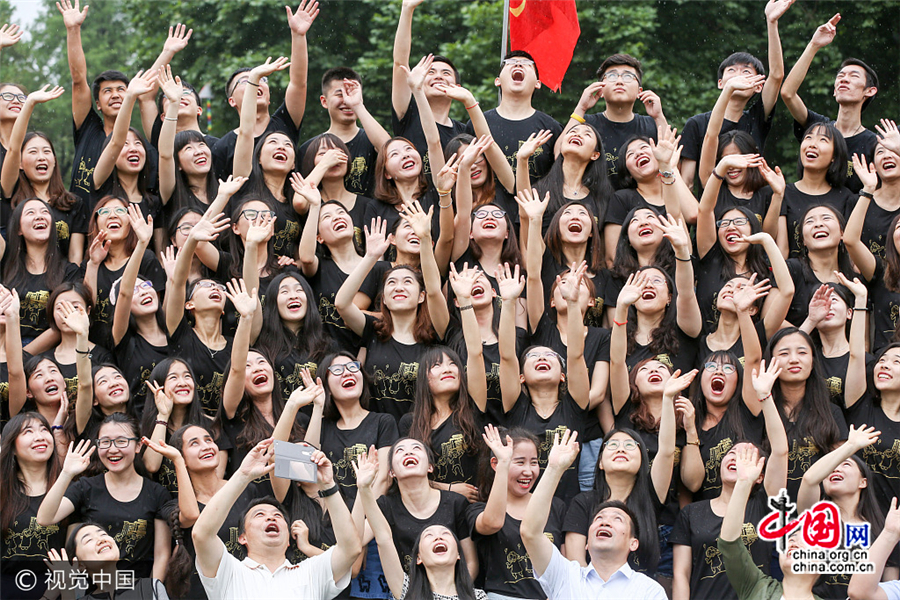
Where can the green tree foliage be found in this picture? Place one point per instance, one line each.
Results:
(681, 43)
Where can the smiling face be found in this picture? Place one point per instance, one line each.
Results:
(242, 223)
(575, 224)
(46, 384)
(846, 480)
(185, 224)
(517, 76)
(580, 141)
(115, 220)
(542, 366)
(115, 459)
(187, 105)
(796, 358)
(111, 391)
(36, 222)
(38, 160)
(735, 177)
(237, 92)
(489, 223)
(335, 224)
(199, 450)
(145, 300)
(437, 547)
(179, 383)
(850, 85)
(34, 444)
(611, 532)
(260, 377)
(644, 230)
(440, 73)
(333, 101)
(10, 109)
(338, 170)
(483, 293)
(133, 155)
(402, 162)
(719, 384)
(725, 297)
(402, 291)
(443, 377)
(585, 297)
(887, 370)
(524, 469)
(620, 453)
(346, 387)
(291, 300)
(821, 229)
(655, 296)
(265, 528)
(110, 97)
(195, 158)
(651, 377)
(479, 172)
(277, 154)
(887, 164)
(93, 545)
(730, 233)
(76, 300)
(640, 162)
(728, 468)
(837, 316)
(405, 239)
(816, 150)
(409, 459)
(207, 295)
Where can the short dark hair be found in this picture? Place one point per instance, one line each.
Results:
(742, 58)
(871, 76)
(270, 500)
(339, 74)
(621, 59)
(522, 54)
(443, 59)
(228, 88)
(635, 527)
(836, 175)
(185, 85)
(107, 76)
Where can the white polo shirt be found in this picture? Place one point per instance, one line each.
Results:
(248, 580)
(567, 580)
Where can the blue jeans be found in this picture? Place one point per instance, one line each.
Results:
(370, 581)
(665, 552)
(588, 464)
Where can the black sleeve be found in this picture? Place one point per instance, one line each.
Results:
(405, 424)
(811, 117)
(692, 138)
(681, 533)
(577, 518)
(387, 431)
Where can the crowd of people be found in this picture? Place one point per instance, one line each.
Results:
(530, 359)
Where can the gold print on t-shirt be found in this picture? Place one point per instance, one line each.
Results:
(329, 313)
(797, 238)
(714, 464)
(612, 162)
(32, 541)
(210, 394)
(447, 464)
(518, 566)
(288, 234)
(883, 461)
(358, 168)
(295, 379)
(83, 176)
(132, 532)
(71, 386)
(800, 458)
(713, 557)
(233, 545)
(666, 360)
(62, 230)
(895, 316)
(715, 308)
(876, 248)
(33, 305)
(547, 444)
(513, 159)
(4, 391)
(835, 386)
(398, 386)
(101, 309)
(344, 467)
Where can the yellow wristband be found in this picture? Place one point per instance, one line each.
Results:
(577, 118)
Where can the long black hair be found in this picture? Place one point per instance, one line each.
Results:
(277, 340)
(158, 376)
(626, 260)
(419, 584)
(836, 175)
(732, 417)
(845, 264)
(15, 273)
(330, 410)
(235, 245)
(182, 196)
(13, 498)
(113, 187)
(256, 187)
(745, 143)
(663, 339)
(867, 508)
(486, 473)
(593, 253)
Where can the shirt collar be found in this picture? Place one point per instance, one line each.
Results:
(625, 570)
(253, 565)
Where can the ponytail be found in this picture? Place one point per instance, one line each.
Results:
(181, 565)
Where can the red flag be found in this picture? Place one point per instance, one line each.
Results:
(548, 30)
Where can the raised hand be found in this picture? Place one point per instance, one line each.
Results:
(300, 533)
(178, 39)
(462, 282)
(476, 149)
(825, 33)
(739, 161)
(230, 186)
(72, 16)
(9, 305)
(43, 95)
(819, 304)
(511, 284)
(269, 67)
(531, 204)
(57, 561)
(163, 449)
(775, 9)
(206, 230)
(168, 257)
(163, 401)
(302, 20)
(62, 413)
(306, 189)
(351, 90)
(892, 519)
(256, 463)
(418, 219)
(652, 104)
(675, 232)
(324, 470)
(889, 134)
(862, 436)
(753, 290)
(245, 303)
(634, 286)
(78, 458)
(142, 83)
(309, 393)
(774, 177)
(171, 86)
(570, 287)
(446, 177)
(75, 318)
(534, 141)
(261, 228)
(743, 83)
(665, 150)
(865, 171)
(564, 450)
(415, 77)
(10, 35)
(500, 448)
(366, 468)
(458, 93)
(765, 379)
(376, 239)
(684, 408)
(591, 95)
(749, 463)
(141, 228)
(859, 289)
(677, 383)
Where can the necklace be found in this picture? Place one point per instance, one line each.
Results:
(570, 193)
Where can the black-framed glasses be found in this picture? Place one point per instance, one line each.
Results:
(251, 213)
(206, 283)
(351, 367)
(185, 229)
(712, 367)
(738, 222)
(119, 211)
(10, 96)
(625, 77)
(625, 444)
(119, 442)
(247, 80)
(484, 213)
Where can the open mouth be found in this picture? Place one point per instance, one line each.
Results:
(216, 296)
(604, 533)
(408, 164)
(410, 461)
(104, 547)
(732, 467)
(399, 296)
(811, 155)
(525, 482)
(113, 225)
(208, 455)
(733, 173)
(413, 240)
(542, 366)
(440, 548)
(40, 225)
(576, 227)
(116, 392)
(883, 376)
(115, 104)
(620, 457)
(134, 160)
(576, 141)
(477, 291)
(348, 383)
(820, 235)
(518, 75)
(114, 460)
(272, 528)
(648, 294)
(717, 384)
(889, 164)
(294, 305)
(489, 224)
(42, 168)
(476, 174)
(645, 231)
(836, 477)
(643, 162)
(280, 156)
(184, 391)
(40, 447)
(260, 379)
(339, 225)
(147, 301)
(732, 238)
(201, 161)
(51, 389)
(655, 378)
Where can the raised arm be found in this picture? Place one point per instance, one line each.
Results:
(299, 22)
(538, 546)
(353, 98)
(164, 403)
(348, 546)
(77, 320)
(777, 471)
(462, 224)
(434, 296)
(10, 35)
(693, 471)
(376, 245)
(579, 382)
(492, 519)
(443, 246)
(306, 249)
(775, 179)
(243, 147)
(664, 462)
(775, 9)
(415, 79)
(523, 178)
(532, 209)
(744, 299)
(247, 305)
(476, 377)
(172, 88)
(511, 286)
(260, 231)
(855, 380)
(141, 83)
(18, 385)
(179, 36)
(144, 232)
(400, 93)
(779, 301)
(55, 506)
(865, 586)
(311, 392)
(860, 254)
(618, 340)
(749, 469)
(188, 509)
(823, 36)
(689, 319)
(678, 199)
(13, 160)
(82, 101)
(857, 439)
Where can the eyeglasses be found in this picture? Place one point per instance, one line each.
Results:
(484, 213)
(740, 221)
(712, 367)
(10, 96)
(517, 62)
(185, 229)
(206, 284)
(119, 211)
(625, 444)
(251, 213)
(626, 77)
(537, 355)
(350, 367)
(262, 80)
(119, 442)
(144, 285)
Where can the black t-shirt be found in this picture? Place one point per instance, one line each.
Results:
(875, 234)
(223, 152)
(566, 416)
(683, 357)
(861, 143)
(883, 457)
(132, 524)
(69, 371)
(596, 342)
(885, 308)
(803, 451)
(796, 203)
(455, 461)
(491, 352)
(394, 367)
(758, 203)
(239, 448)
(834, 370)
(360, 177)
(451, 513)
(102, 315)
(343, 446)
(623, 201)
(288, 227)
(209, 366)
(550, 268)
(506, 564)
(137, 358)
(24, 545)
(614, 135)
(737, 348)
(716, 441)
(69, 222)
(410, 127)
(288, 369)
(805, 285)
(698, 527)
(89, 141)
(711, 279)
(753, 120)
(34, 295)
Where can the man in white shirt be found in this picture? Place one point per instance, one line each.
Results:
(612, 536)
(266, 573)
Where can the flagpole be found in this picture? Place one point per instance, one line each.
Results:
(504, 43)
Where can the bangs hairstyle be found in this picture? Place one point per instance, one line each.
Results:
(626, 260)
(94, 228)
(13, 494)
(741, 58)
(486, 194)
(812, 414)
(60, 198)
(338, 74)
(443, 59)
(554, 242)
(892, 258)
(836, 175)
(178, 215)
(423, 328)
(732, 417)
(486, 473)
(182, 195)
(623, 60)
(429, 456)
(745, 145)
(15, 271)
(328, 140)
(113, 187)
(871, 76)
(420, 585)
(756, 259)
(126, 420)
(235, 245)
(277, 339)
(385, 188)
(326, 251)
(509, 251)
(330, 410)
(626, 179)
(105, 76)
(642, 417)
(72, 538)
(423, 410)
(663, 339)
(159, 374)
(68, 286)
(256, 187)
(845, 264)
(894, 345)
